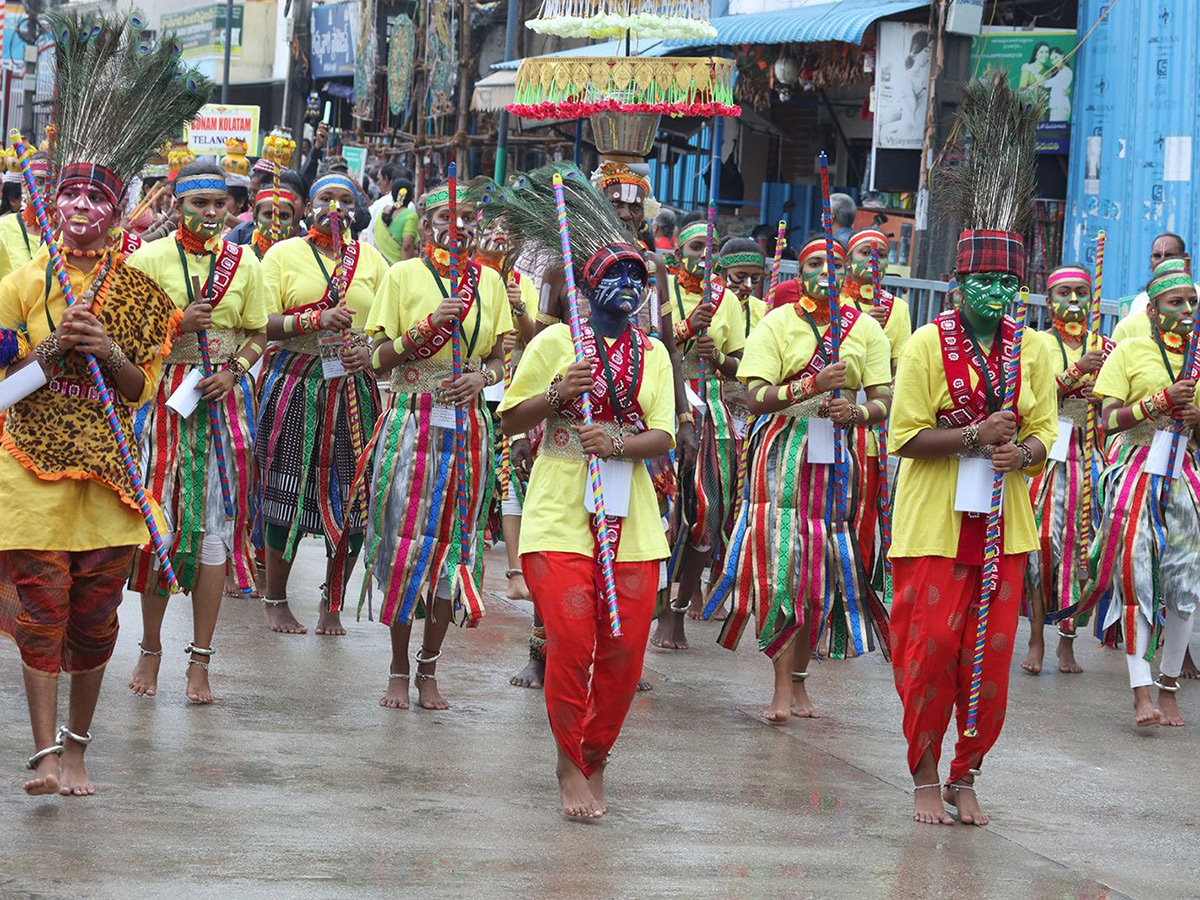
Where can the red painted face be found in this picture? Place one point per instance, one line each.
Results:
(85, 215)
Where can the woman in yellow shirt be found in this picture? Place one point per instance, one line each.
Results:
(1056, 572)
(946, 413)
(794, 560)
(591, 676)
(217, 289)
(414, 531)
(710, 337)
(318, 295)
(1146, 549)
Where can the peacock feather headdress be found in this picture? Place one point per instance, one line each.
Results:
(118, 97)
(991, 191)
(524, 210)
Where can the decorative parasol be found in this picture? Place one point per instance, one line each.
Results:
(686, 19)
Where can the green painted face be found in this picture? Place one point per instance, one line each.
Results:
(814, 277)
(987, 295)
(1068, 302)
(1176, 311)
(860, 262)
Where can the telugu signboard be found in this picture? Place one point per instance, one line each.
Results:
(201, 30)
(334, 35)
(216, 123)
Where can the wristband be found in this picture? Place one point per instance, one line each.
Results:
(376, 357)
(1159, 402)
(864, 414)
(289, 324)
(552, 395)
(970, 436)
(489, 377)
(1026, 455)
(802, 388)
(237, 369)
(682, 330)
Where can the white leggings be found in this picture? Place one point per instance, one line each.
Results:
(1170, 661)
(509, 504)
(212, 550)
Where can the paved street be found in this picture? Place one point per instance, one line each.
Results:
(296, 784)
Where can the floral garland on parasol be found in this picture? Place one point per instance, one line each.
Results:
(613, 18)
(563, 88)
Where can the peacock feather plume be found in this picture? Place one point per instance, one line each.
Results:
(118, 97)
(993, 186)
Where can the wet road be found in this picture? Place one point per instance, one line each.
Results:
(296, 783)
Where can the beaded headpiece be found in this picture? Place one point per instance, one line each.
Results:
(201, 183)
(440, 196)
(694, 230)
(1168, 275)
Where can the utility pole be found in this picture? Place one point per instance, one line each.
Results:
(510, 49)
(301, 39)
(228, 48)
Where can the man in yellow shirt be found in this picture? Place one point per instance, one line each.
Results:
(20, 236)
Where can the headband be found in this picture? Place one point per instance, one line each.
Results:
(195, 184)
(600, 261)
(747, 258)
(1069, 273)
(92, 174)
(818, 245)
(1169, 274)
(39, 166)
(284, 193)
(333, 178)
(694, 230)
(868, 234)
(441, 195)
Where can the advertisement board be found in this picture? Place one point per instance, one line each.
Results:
(216, 123)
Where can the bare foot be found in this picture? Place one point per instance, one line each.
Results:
(802, 706)
(72, 774)
(329, 623)
(1066, 657)
(1144, 711)
(281, 620)
(1189, 667)
(577, 798)
(396, 695)
(144, 680)
(517, 588)
(669, 633)
(428, 696)
(963, 798)
(198, 690)
(1168, 705)
(532, 676)
(45, 777)
(928, 808)
(596, 783)
(644, 685)
(696, 611)
(1032, 663)
(780, 709)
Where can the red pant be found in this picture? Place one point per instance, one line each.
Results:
(60, 606)
(934, 619)
(591, 677)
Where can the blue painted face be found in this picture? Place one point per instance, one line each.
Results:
(621, 289)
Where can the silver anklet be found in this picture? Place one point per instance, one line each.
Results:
(923, 787)
(155, 653)
(680, 609)
(1169, 688)
(267, 601)
(398, 675)
(1068, 635)
(199, 651)
(421, 676)
(196, 662)
(427, 660)
(56, 749)
(65, 732)
(799, 676)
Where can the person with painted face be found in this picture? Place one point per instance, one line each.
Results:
(714, 332)
(794, 564)
(1136, 323)
(1145, 551)
(277, 215)
(893, 316)
(217, 289)
(72, 523)
(591, 677)
(414, 530)
(1058, 570)
(20, 236)
(317, 289)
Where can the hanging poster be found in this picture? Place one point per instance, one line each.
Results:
(400, 63)
(902, 85)
(334, 35)
(1036, 63)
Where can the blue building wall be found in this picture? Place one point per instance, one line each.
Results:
(1135, 134)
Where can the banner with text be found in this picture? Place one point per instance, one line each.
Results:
(334, 38)
(216, 123)
(201, 31)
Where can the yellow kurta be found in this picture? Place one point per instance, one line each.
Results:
(1135, 371)
(898, 329)
(18, 243)
(1136, 324)
(783, 344)
(67, 514)
(292, 278)
(924, 522)
(410, 292)
(728, 327)
(553, 517)
(242, 307)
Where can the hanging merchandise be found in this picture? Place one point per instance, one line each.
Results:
(401, 49)
(613, 18)
(441, 57)
(364, 62)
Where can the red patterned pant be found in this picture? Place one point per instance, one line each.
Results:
(934, 619)
(60, 606)
(591, 676)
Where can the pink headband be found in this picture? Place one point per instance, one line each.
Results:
(1069, 273)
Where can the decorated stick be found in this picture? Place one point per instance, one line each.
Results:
(992, 549)
(150, 196)
(505, 444)
(1189, 363)
(709, 287)
(460, 413)
(106, 399)
(1091, 436)
(607, 554)
(835, 333)
(214, 423)
(339, 298)
(780, 238)
(885, 488)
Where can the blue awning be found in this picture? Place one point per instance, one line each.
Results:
(840, 20)
(637, 47)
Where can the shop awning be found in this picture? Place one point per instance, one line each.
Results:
(841, 20)
(495, 92)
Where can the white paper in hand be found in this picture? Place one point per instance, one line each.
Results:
(187, 395)
(1062, 444)
(331, 356)
(820, 441)
(494, 393)
(973, 491)
(21, 384)
(694, 399)
(616, 479)
(1160, 452)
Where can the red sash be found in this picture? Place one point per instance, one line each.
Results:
(970, 405)
(468, 288)
(888, 302)
(849, 315)
(129, 241)
(343, 274)
(229, 257)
